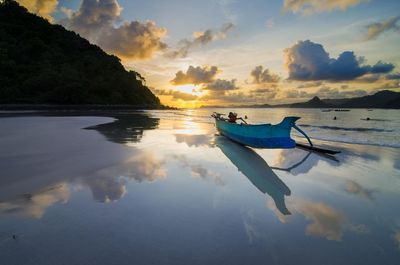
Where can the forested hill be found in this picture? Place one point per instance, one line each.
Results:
(41, 63)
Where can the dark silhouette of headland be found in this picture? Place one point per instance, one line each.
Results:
(45, 65)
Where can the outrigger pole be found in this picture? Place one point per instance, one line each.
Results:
(303, 133)
(311, 147)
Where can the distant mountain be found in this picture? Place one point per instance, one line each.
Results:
(393, 104)
(315, 102)
(336, 101)
(385, 99)
(41, 63)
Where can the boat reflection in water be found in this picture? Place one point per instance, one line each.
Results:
(256, 170)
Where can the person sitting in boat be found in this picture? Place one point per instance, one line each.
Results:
(232, 117)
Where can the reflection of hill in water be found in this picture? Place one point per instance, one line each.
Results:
(48, 155)
(127, 127)
(256, 170)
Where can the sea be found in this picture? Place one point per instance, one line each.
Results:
(358, 126)
(163, 187)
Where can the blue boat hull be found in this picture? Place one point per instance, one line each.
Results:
(260, 135)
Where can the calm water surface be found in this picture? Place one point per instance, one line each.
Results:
(160, 187)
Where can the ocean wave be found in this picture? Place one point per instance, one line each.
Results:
(373, 142)
(356, 129)
(375, 120)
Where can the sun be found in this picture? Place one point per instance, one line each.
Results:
(189, 89)
(182, 102)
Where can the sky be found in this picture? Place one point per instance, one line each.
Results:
(236, 52)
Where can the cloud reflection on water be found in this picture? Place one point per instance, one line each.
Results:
(198, 170)
(396, 237)
(193, 140)
(35, 204)
(355, 188)
(109, 184)
(325, 220)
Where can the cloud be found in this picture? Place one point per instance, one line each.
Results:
(310, 84)
(388, 85)
(96, 19)
(261, 75)
(221, 85)
(309, 61)
(353, 93)
(263, 94)
(134, 40)
(293, 93)
(376, 29)
(393, 76)
(217, 89)
(176, 95)
(93, 17)
(381, 68)
(225, 29)
(200, 38)
(235, 95)
(195, 75)
(67, 11)
(229, 97)
(369, 78)
(263, 90)
(43, 8)
(325, 92)
(308, 7)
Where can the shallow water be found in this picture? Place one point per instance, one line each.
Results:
(382, 128)
(160, 187)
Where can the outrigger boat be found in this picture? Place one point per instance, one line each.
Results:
(264, 135)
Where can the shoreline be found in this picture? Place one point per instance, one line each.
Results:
(95, 107)
(117, 110)
(89, 107)
(289, 107)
